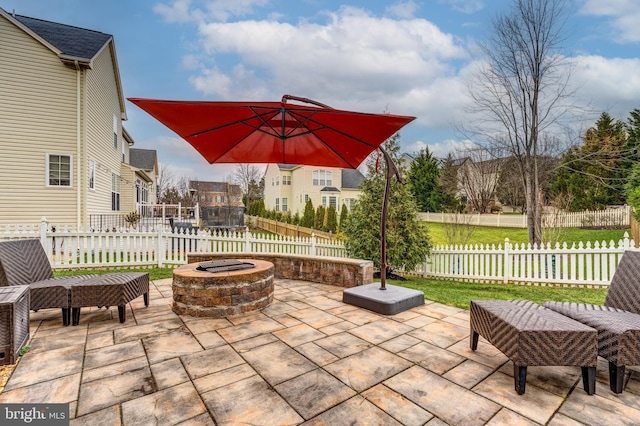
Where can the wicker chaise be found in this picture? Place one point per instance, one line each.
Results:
(617, 322)
(529, 334)
(24, 262)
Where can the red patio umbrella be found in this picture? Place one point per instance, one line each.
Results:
(280, 132)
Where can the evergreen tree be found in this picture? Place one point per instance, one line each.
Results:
(344, 216)
(449, 185)
(331, 219)
(594, 174)
(309, 215)
(423, 179)
(319, 221)
(407, 240)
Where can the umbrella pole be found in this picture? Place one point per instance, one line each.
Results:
(392, 169)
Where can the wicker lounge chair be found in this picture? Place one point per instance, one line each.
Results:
(617, 322)
(24, 262)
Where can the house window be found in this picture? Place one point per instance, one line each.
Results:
(142, 196)
(285, 205)
(322, 178)
(115, 192)
(273, 181)
(59, 170)
(333, 201)
(115, 132)
(277, 180)
(286, 180)
(349, 202)
(92, 174)
(277, 204)
(324, 201)
(306, 198)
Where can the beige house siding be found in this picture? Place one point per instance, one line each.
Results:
(301, 186)
(102, 104)
(42, 121)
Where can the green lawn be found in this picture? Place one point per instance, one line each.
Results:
(443, 291)
(461, 293)
(154, 273)
(496, 235)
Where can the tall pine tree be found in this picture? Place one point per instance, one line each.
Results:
(407, 239)
(423, 179)
(309, 215)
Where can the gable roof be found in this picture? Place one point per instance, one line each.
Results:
(74, 46)
(144, 159)
(351, 178)
(72, 41)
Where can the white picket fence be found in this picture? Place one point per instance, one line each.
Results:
(582, 263)
(613, 217)
(69, 249)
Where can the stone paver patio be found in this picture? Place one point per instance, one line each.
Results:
(306, 359)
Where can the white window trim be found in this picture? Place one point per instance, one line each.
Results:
(46, 176)
(119, 192)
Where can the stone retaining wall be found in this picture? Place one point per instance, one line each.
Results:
(336, 271)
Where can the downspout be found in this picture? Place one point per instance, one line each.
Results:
(79, 160)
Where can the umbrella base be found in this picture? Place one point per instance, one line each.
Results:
(391, 301)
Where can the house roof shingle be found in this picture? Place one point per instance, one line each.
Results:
(72, 41)
(144, 159)
(351, 178)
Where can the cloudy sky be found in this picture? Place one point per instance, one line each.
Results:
(406, 57)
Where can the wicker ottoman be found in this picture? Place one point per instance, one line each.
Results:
(529, 334)
(115, 289)
(14, 321)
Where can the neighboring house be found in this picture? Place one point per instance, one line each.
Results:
(220, 203)
(477, 181)
(141, 174)
(65, 154)
(288, 187)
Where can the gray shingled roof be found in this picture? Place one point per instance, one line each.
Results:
(144, 159)
(287, 166)
(329, 189)
(351, 178)
(72, 41)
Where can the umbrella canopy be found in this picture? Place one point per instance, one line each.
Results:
(275, 132)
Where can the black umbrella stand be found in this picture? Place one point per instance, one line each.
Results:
(392, 170)
(382, 299)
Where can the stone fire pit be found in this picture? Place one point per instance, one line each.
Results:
(219, 294)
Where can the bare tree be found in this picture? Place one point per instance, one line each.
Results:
(248, 177)
(520, 94)
(478, 176)
(166, 180)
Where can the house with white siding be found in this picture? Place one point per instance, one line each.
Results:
(65, 153)
(287, 187)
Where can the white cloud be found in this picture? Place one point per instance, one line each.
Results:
(178, 11)
(608, 84)
(219, 10)
(624, 17)
(403, 9)
(353, 61)
(464, 6)
(440, 149)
